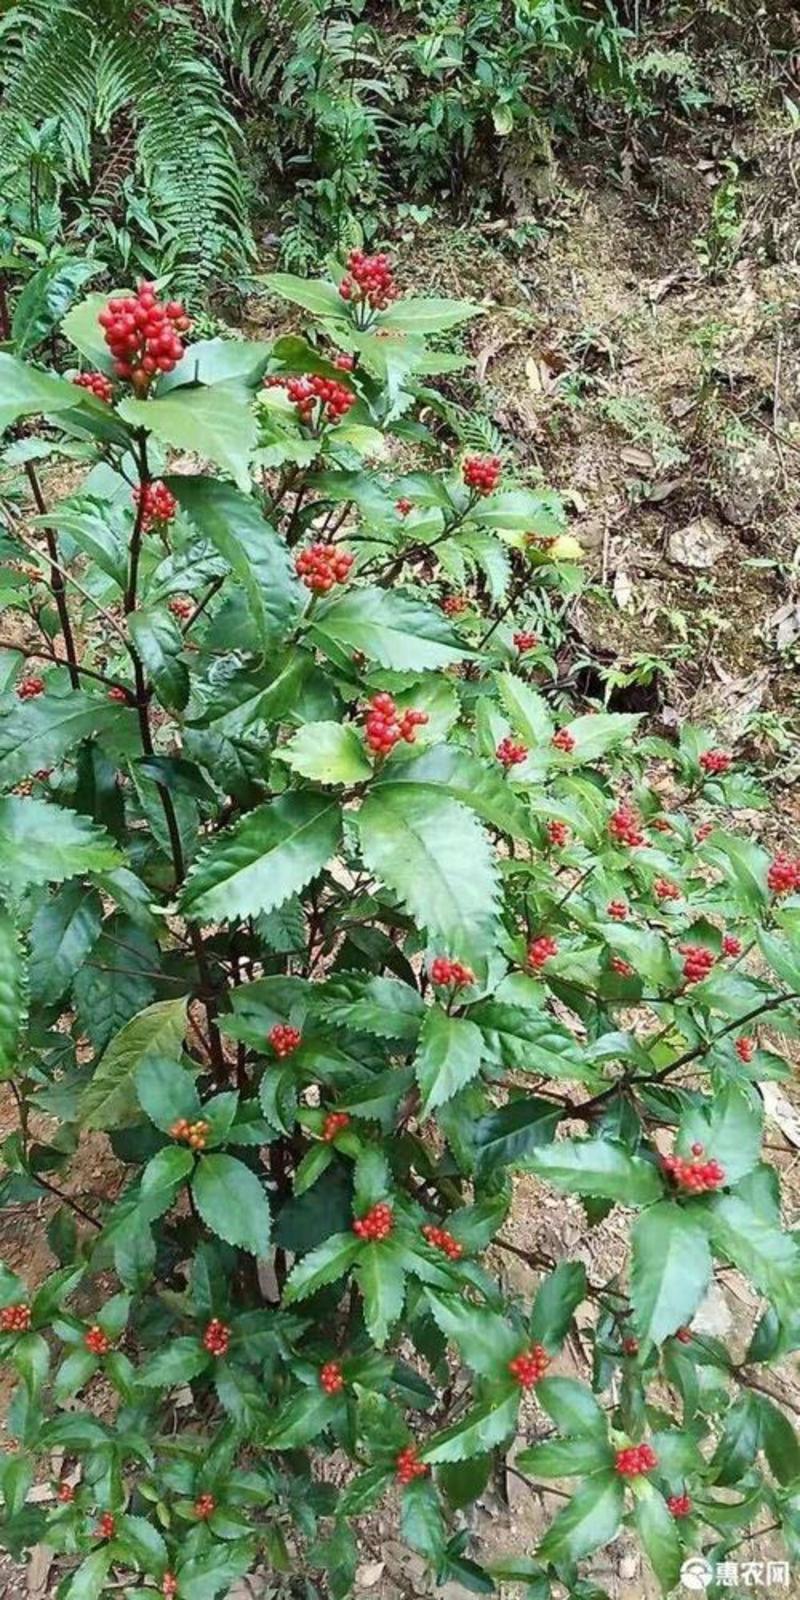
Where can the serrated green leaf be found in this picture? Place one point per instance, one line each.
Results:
(88, 1581)
(656, 1528)
(385, 1007)
(204, 1576)
(110, 1099)
(143, 1544)
(381, 1279)
(527, 709)
(599, 732)
(591, 1519)
(779, 1441)
(739, 1441)
(117, 985)
(572, 1406)
(428, 314)
(328, 1262)
(421, 1519)
(306, 1415)
(37, 733)
(166, 1091)
(598, 1168)
(476, 784)
(767, 1256)
(404, 635)
(46, 297)
(159, 643)
(731, 1125)
(315, 295)
(523, 1039)
(487, 1424)
(269, 855)
(75, 1371)
(40, 843)
(232, 1202)
(485, 1340)
(216, 423)
(435, 857)
(566, 1458)
(508, 1136)
(448, 1057)
(161, 1178)
(670, 1271)
(233, 524)
(328, 752)
(62, 934)
(180, 1360)
(12, 994)
(557, 1299)
(26, 392)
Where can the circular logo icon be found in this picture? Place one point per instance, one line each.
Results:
(696, 1573)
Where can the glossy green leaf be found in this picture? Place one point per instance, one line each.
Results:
(89, 1579)
(216, 424)
(528, 710)
(46, 297)
(232, 1202)
(328, 752)
(427, 314)
(421, 1520)
(328, 1262)
(159, 643)
(233, 524)
(476, 784)
(557, 1299)
(598, 1168)
(658, 1532)
(63, 932)
(26, 392)
(591, 1519)
(483, 1338)
(39, 843)
(403, 634)
(315, 295)
(767, 1256)
(381, 1279)
(434, 855)
(179, 1361)
(566, 1458)
(448, 1057)
(12, 994)
(508, 1136)
(572, 1406)
(271, 854)
(305, 1416)
(110, 1099)
(485, 1425)
(37, 733)
(671, 1269)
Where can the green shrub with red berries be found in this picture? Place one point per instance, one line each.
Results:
(316, 912)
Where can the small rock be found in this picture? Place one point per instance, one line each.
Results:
(369, 1573)
(455, 1591)
(748, 477)
(698, 545)
(713, 1315)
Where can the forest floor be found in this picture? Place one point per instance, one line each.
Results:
(662, 399)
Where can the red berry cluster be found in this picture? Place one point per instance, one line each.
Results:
(333, 1124)
(442, 1240)
(664, 890)
(143, 335)
(680, 1505)
(118, 695)
(617, 910)
(696, 1175)
(205, 1505)
(540, 950)
(407, 1466)
(377, 1224)
(530, 1366)
(509, 753)
(564, 741)
(323, 565)
(661, 825)
(333, 398)
(107, 1525)
(385, 725)
(622, 968)
(454, 604)
(731, 946)
(445, 973)
(217, 1337)
(97, 1341)
(715, 761)
(697, 962)
(745, 1048)
(404, 507)
(169, 1586)
(558, 833)
(783, 876)
(181, 607)
(344, 362)
(683, 1335)
(194, 1134)
(97, 383)
(525, 641)
(630, 1345)
(15, 1319)
(702, 833)
(284, 1039)
(158, 504)
(65, 1494)
(634, 1460)
(369, 278)
(481, 474)
(28, 688)
(624, 825)
(331, 1377)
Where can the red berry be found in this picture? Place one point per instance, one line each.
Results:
(331, 1377)
(195, 1134)
(664, 890)
(661, 825)
(205, 1505)
(679, 1504)
(385, 725)
(558, 833)
(564, 741)
(403, 507)
(683, 1335)
(107, 1525)
(323, 565)
(702, 833)
(481, 474)
(284, 1039)
(509, 753)
(96, 1341)
(617, 910)
(369, 279)
(697, 962)
(142, 334)
(376, 1224)
(540, 951)
(169, 1585)
(407, 1466)
(454, 604)
(97, 384)
(315, 399)
(15, 1319)
(181, 607)
(120, 696)
(445, 973)
(696, 1176)
(745, 1048)
(622, 968)
(442, 1240)
(29, 688)
(333, 1124)
(158, 504)
(731, 946)
(344, 362)
(715, 762)
(525, 641)
(783, 876)
(624, 826)
(217, 1337)
(529, 1366)
(65, 1494)
(630, 1345)
(635, 1460)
